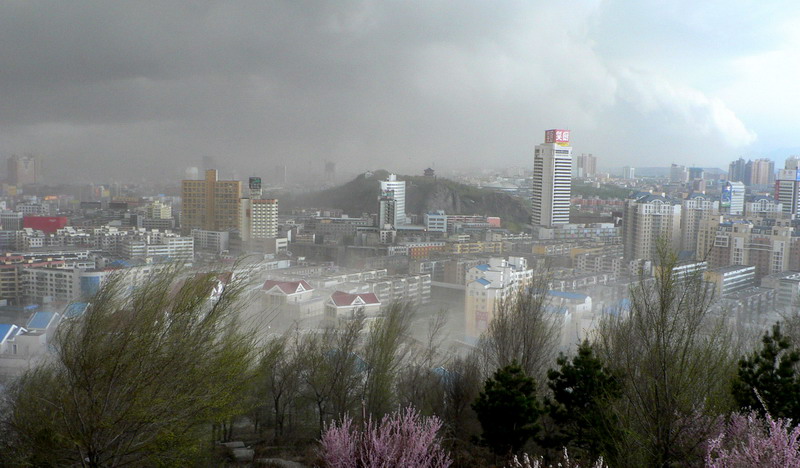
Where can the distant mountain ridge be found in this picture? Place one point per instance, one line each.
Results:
(423, 195)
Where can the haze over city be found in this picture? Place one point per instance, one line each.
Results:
(399, 234)
(143, 89)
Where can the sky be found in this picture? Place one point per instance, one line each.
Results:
(135, 90)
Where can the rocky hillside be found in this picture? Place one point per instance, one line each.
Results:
(423, 194)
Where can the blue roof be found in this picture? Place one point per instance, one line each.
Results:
(5, 329)
(483, 267)
(568, 295)
(40, 320)
(75, 309)
(484, 281)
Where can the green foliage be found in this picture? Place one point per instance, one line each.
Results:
(580, 408)
(137, 379)
(508, 410)
(767, 380)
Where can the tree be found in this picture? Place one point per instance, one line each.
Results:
(522, 330)
(580, 410)
(279, 381)
(138, 378)
(402, 439)
(675, 361)
(331, 370)
(508, 410)
(384, 352)
(767, 379)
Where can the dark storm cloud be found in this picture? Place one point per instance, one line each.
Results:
(127, 88)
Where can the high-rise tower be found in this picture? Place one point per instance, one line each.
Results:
(552, 168)
(392, 202)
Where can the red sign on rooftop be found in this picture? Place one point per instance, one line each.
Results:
(559, 137)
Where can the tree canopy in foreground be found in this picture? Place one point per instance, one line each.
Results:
(137, 379)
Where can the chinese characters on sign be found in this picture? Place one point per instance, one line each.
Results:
(559, 137)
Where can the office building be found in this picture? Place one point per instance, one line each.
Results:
(585, 166)
(392, 202)
(552, 184)
(210, 204)
(648, 219)
(787, 190)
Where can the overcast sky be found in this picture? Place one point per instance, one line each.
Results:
(145, 88)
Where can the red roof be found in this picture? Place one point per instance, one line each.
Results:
(287, 287)
(342, 299)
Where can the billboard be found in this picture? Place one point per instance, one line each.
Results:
(727, 195)
(559, 137)
(255, 183)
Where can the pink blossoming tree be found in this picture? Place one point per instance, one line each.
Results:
(400, 439)
(748, 440)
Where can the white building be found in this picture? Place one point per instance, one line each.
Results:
(552, 182)
(158, 245)
(258, 219)
(436, 221)
(211, 241)
(342, 306)
(392, 202)
(732, 199)
(45, 285)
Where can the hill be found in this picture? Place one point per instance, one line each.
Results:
(423, 194)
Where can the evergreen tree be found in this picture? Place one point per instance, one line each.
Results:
(771, 373)
(579, 409)
(508, 410)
